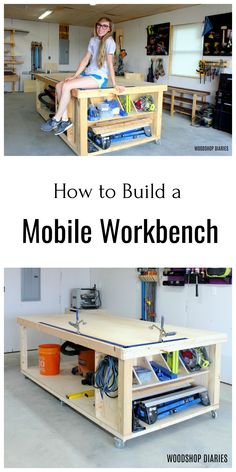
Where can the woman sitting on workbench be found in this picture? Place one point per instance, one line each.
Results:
(100, 53)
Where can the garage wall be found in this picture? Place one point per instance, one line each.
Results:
(135, 40)
(55, 298)
(120, 291)
(48, 34)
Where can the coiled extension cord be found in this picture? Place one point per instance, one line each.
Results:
(106, 376)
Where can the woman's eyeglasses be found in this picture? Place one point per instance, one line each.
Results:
(99, 25)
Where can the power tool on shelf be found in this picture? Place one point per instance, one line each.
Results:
(105, 142)
(195, 359)
(154, 408)
(145, 103)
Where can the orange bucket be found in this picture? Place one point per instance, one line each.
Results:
(49, 359)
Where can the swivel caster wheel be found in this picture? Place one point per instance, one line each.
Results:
(119, 443)
(214, 414)
(158, 142)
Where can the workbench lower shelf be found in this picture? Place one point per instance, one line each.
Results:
(176, 418)
(126, 145)
(62, 384)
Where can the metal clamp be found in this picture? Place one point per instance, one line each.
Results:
(162, 331)
(77, 325)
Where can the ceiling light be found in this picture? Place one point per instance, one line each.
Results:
(46, 13)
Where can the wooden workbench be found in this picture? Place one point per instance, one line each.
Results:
(184, 100)
(76, 137)
(132, 342)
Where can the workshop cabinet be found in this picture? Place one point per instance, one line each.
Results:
(223, 105)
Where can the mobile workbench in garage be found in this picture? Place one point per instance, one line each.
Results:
(133, 343)
(77, 136)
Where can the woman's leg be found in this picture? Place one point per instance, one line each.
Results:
(59, 88)
(80, 83)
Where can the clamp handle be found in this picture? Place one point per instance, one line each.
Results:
(76, 324)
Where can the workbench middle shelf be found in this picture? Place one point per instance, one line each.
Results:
(147, 381)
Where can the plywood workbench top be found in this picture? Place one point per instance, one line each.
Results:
(121, 331)
(131, 85)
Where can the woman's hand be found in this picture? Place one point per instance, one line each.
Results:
(120, 88)
(70, 78)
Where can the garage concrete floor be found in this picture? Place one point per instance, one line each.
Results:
(179, 138)
(40, 433)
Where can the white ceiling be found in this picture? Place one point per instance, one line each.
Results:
(86, 15)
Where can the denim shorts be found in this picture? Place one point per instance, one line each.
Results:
(101, 81)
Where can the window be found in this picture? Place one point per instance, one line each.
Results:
(186, 49)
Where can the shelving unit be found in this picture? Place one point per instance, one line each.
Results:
(77, 137)
(132, 343)
(10, 58)
(184, 100)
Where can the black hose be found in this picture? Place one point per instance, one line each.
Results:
(71, 349)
